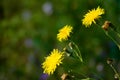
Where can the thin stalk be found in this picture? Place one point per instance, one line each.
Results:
(78, 54)
(112, 39)
(117, 34)
(115, 71)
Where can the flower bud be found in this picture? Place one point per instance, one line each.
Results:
(109, 61)
(106, 25)
(116, 77)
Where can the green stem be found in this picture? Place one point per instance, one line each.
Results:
(115, 71)
(79, 53)
(112, 39)
(117, 34)
(78, 56)
(106, 32)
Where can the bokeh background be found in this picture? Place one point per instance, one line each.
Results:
(28, 31)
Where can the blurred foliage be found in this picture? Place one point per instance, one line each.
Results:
(28, 31)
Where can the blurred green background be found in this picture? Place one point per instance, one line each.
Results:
(28, 31)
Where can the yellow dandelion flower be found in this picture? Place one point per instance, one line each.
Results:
(51, 62)
(91, 16)
(64, 33)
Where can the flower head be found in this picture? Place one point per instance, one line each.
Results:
(52, 61)
(91, 16)
(64, 33)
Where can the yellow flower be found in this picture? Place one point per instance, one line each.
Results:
(52, 61)
(91, 16)
(64, 33)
